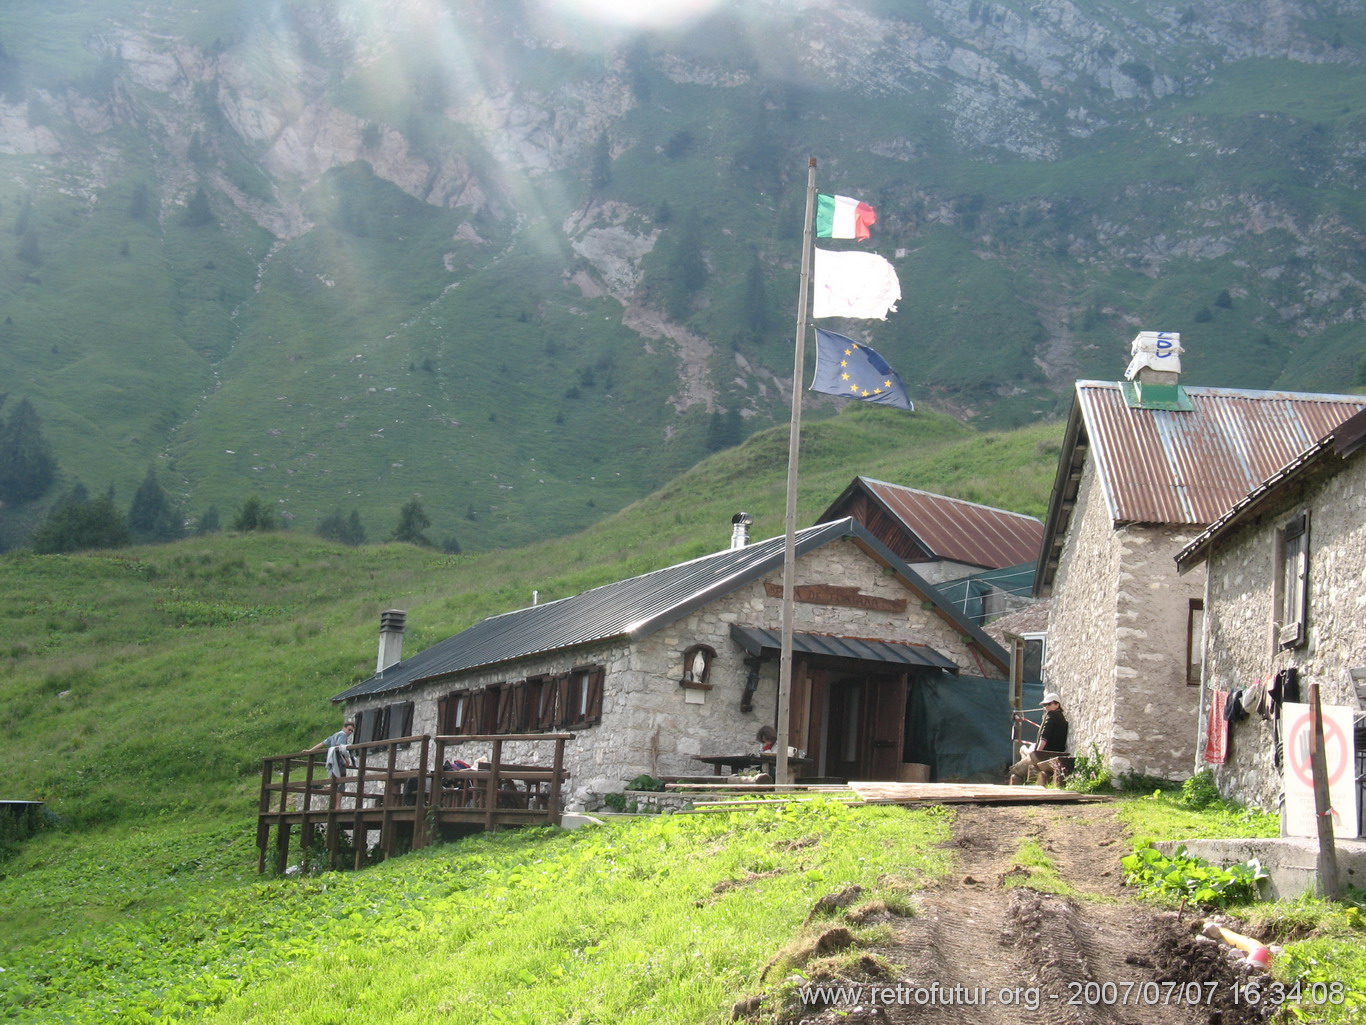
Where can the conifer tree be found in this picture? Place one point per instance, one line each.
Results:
(152, 516)
(412, 521)
(78, 523)
(209, 522)
(27, 466)
(254, 515)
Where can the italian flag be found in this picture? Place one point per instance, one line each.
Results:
(843, 217)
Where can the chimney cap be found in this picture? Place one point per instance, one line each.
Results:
(742, 519)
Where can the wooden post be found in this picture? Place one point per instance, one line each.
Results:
(1329, 886)
(420, 796)
(491, 792)
(262, 808)
(306, 837)
(552, 804)
(358, 834)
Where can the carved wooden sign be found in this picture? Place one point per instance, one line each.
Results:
(830, 594)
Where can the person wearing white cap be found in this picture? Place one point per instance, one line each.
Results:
(1052, 740)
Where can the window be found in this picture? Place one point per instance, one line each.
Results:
(1292, 582)
(581, 697)
(1195, 640)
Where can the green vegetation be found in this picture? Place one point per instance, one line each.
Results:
(1180, 876)
(662, 919)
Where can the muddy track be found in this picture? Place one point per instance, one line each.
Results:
(987, 948)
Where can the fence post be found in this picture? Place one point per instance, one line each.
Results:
(495, 780)
(552, 810)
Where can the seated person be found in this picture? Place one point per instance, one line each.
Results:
(1052, 742)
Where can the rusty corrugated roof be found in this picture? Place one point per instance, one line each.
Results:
(1190, 467)
(950, 528)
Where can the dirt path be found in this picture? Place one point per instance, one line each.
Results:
(987, 948)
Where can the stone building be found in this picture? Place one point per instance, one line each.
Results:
(655, 670)
(1145, 466)
(1285, 593)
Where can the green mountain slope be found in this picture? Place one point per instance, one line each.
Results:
(527, 267)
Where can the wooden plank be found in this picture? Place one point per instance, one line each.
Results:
(959, 793)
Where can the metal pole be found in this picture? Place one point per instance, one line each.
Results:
(783, 773)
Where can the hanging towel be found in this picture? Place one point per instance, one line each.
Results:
(1216, 729)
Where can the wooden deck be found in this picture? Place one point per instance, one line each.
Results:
(400, 795)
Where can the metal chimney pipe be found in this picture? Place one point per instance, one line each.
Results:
(739, 529)
(392, 623)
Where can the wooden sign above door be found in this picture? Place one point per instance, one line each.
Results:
(831, 594)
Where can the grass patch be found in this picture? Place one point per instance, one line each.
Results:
(622, 924)
(1035, 868)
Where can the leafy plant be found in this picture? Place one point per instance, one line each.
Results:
(1199, 791)
(645, 782)
(1089, 774)
(1186, 877)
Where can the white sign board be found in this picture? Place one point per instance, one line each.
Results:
(1339, 752)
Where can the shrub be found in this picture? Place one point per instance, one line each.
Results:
(1199, 792)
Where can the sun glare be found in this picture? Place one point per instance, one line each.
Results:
(637, 14)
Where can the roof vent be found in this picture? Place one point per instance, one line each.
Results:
(392, 623)
(739, 529)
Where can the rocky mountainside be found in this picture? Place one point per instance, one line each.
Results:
(524, 261)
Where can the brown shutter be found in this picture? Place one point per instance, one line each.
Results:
(474, 707)
(550, 702)
(443, 714)
(596, 675)
(506, 716)
(517, 722)
(564, 712)
(361, 720)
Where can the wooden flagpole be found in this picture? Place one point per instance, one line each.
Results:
(783, 772)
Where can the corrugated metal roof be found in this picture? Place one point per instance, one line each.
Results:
(756, 639)
(635, 608)
(1341, 443)
(950, 528)
(1165, 466)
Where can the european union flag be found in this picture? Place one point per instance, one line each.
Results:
(854, 370)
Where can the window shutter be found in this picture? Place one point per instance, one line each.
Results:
(474, 707)
(517, 707)
(596, 675)
(443, 714)
(564, 710)
(507, 709)
(550, 703)
(362, 721)
(400, 716)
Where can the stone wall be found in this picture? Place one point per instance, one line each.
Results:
(650, 722)
(1117, 640)
(1079, 661)
(1240, 618)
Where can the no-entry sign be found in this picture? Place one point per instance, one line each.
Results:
(1339, 754)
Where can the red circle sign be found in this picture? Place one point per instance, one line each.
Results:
(1335, 749)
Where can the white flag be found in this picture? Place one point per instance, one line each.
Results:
(853, 284)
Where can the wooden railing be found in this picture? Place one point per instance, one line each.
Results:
(406, 796)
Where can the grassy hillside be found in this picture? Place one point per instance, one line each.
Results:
(183, 664)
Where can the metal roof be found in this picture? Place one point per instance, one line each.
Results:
(950, 528)
(637, 607)
(1341, 443)
(1166, 466)
(756, 639)
(1180, 467)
